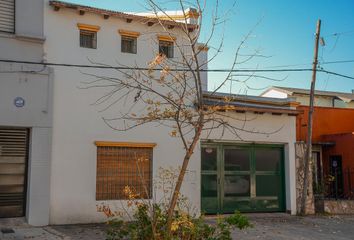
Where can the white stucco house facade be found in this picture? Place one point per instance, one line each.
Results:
(251, 173)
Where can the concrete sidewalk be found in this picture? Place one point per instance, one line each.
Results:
(286, 227)
(18, 229)
(46, 233)
(68, 232)
(266, 226)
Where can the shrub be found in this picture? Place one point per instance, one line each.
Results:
(149, 219)
(151, 224)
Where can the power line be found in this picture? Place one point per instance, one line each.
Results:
(308, 64)
(335, 74)
(339, 33)
(290, 65)
(176, 69)
(339, 61)
(158, 69)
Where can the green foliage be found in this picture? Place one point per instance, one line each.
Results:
(150, 223)
(225, 225)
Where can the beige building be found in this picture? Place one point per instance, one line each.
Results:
(322, 98)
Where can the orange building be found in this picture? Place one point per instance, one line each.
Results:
(333, 147)
(327, 121)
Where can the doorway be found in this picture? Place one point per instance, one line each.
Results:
(337, 172)
(247, 178)
(13, 171)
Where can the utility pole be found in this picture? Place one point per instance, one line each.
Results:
(310, 122)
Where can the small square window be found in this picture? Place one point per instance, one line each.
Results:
(166, 48)
(88, 39)
(129, 44)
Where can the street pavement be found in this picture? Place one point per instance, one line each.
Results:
(276, 226)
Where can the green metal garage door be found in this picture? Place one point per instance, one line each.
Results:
(247, 178)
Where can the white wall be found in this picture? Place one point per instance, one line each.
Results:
(34, 85)
(39, 176)
(77, 124)
(274, 94)
(203, 62)
(29, 18)
(26, 43)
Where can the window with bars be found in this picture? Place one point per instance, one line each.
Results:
(166, 48)
(129, 44)
(88, 39)
(7, 16)
(123, 167)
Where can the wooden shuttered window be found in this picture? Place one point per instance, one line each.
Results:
(119, 167)
(7, 16)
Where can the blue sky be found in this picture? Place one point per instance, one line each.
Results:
(285, 35)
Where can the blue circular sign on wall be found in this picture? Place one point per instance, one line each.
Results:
(19, 102)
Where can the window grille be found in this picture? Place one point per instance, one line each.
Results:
(122, 167)
(88, 39)
(166, 48)
(129, 45)
(7, 16)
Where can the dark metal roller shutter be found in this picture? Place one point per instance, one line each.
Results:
(7, 16)
(13, 164)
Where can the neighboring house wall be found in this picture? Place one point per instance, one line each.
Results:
(332, 130)
(34, 85)
(326, 121)
(26, 42)
(304, 99)
(344, 148)
(319, 100)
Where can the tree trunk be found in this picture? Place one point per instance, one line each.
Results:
(179, 182)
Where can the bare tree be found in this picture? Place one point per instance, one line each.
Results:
(170, 92)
